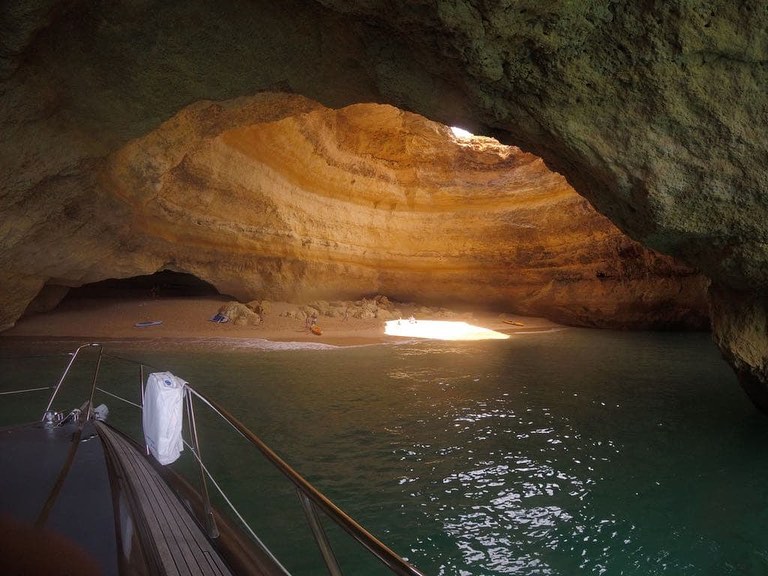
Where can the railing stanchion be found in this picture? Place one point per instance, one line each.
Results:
(141, 391)
(210, 522)
(395, 563)
(319, 534)
(93, 384)
(64, 375)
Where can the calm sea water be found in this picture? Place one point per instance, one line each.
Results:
(571, 452)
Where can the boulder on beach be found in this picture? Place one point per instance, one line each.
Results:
(240, 314)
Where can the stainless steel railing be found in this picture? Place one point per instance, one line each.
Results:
(311, 499)
(66, 372)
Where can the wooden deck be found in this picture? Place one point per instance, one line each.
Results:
(181, 546)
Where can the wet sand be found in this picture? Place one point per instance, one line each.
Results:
(190, 318)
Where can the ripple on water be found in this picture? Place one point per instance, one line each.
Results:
(578, 452)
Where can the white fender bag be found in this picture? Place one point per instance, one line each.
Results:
(163, 416)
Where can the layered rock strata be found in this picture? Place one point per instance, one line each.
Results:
(369, 199)
(276, 196)
(654, 111)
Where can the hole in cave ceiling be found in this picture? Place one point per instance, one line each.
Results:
(461, 133)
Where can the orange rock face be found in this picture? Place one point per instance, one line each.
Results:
(657, 116)
(276, 196)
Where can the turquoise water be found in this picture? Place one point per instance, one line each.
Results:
(571, 452)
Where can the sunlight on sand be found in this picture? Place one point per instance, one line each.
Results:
(441, 330)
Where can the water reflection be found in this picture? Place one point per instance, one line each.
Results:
(517, 495)
(579, 452)
(511, 492)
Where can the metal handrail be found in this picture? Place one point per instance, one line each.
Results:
(394, 562)
(64, 375)
(311, 499)
(210, 522)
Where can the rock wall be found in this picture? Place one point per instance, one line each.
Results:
(368, 199)
(740, 329)
(277, 196)
(654, 111)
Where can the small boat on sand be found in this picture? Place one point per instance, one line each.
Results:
(315, 329)
(79, 495)
(513, 322)
(148, 323)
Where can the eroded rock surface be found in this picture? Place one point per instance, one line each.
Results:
(370, 199)
(656, 112)
(277, 196)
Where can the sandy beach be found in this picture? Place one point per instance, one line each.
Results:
(190, 318)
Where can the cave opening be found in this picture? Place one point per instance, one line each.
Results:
(461, 133)
(162, 284)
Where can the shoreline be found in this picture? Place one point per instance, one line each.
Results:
(189, 319)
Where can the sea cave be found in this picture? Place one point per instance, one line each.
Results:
(256, 158)
(549, 166)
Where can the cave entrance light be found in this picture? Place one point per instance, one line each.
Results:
(461, 133)
(440, 330)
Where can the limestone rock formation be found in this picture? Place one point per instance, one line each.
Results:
(369, 199)
(280, 197)
(654, 111)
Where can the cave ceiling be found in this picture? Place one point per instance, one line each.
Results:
(655, 112)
